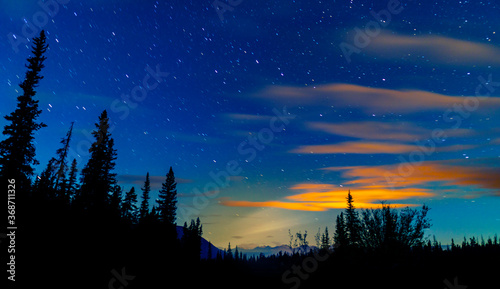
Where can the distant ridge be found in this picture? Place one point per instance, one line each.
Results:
(204, 245)
(265, 250)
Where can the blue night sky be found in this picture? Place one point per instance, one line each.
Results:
(269, 111)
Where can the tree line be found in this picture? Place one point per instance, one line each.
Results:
(96, 221)
(82, 225)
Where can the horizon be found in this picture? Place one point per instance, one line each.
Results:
(271, 112)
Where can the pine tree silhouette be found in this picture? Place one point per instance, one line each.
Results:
(116, 202)
(229, 252)
(62, 154)
(352, 224)
(129, 207)
(167, 199)
(236, 254)
(144, 210)
(17, 151)
(325, 239)
(97, 177)
(340, 236)
(52, 183)
(45, 183)
(72, 186)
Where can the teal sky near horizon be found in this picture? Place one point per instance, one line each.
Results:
(269, 112)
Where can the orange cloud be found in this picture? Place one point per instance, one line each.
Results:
(334, 197)
(370, 185)
(362, 147)
(372, 130)
(423, 174)
(375, 130)
(356, 148)
(437, 49)
(322, 197)
(366, 196)
(307, 206)
(373, 100)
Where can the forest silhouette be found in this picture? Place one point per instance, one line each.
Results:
(79, 229)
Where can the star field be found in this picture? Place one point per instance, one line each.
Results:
(271, 92)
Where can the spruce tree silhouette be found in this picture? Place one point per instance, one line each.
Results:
(167, 199)
(129, 207)
(229, 254)
(115, 202)
(17, 151)
(44, 184)
(144, 210)
(62, 154)
(352, 224)
(167, 206)
(340, 236)
(72, 186)
(325, 239)
(97, 176)
(52, 183)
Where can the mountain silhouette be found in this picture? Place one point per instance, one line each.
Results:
(204, 245)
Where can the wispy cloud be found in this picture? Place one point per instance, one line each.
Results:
(371, 185)
(301, 206)
(368, 99)
(406, 175)
(367, 147)
(334, 197)
(436, 49)
(377, 130)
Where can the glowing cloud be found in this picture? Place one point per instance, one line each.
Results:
(362, 147)
(404, 175)
(334, 197)
(372, 185)
(375, 130)
(437, 49)
(379, 100)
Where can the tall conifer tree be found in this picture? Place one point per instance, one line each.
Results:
(72, 186)
(340, 236)
(352, 223)
(17, 151)
(97, 176)
(129, 207)
(144, 210)
(167, 199)
(62, 154)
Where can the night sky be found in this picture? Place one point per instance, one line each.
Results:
(270, 111)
